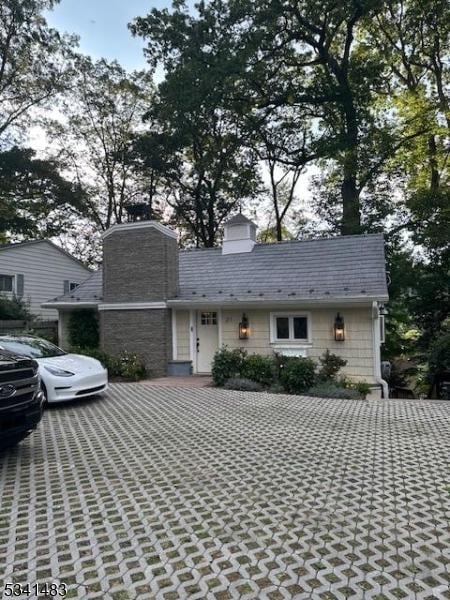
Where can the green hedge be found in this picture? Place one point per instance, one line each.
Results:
(333, 390)
(258, 368)
(235, 369)
(83, 328)
(227, 364)
(298, 375)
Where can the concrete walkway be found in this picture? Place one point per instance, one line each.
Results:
(191, 381)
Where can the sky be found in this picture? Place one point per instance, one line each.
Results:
(102, 27)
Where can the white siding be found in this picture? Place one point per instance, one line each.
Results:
(44, 269)
(357, 349)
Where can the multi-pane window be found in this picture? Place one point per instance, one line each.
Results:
(6, 283)
(290, 328)
(208, 318)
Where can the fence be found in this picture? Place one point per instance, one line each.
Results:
(45, 329)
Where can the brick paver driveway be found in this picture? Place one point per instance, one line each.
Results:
(198, 493)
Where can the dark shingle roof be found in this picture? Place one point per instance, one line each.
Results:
(323, 269)
(341, 267)
(238, 219)
(91, 290)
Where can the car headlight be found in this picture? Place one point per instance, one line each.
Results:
(58, 372)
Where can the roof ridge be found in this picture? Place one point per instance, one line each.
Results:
(286, 242)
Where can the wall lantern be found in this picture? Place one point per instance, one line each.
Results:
(244, 328)
(339, 328)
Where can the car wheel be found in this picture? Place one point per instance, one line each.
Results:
(13, 440)
(44, 391)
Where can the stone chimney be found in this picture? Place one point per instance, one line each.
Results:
(140, 272)
(239, 235)
(140, 262)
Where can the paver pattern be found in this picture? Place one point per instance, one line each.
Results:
(202, 493)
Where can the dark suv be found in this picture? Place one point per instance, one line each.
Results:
(21, 399)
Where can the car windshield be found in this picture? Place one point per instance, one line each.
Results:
(32, 347)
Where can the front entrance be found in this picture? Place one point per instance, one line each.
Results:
(207, 339)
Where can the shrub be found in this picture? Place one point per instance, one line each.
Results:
(227, 364)
(330, 365)
(334, 390)
(131, 366)
(361, 387)
(276, 388)
(259, 368)
(14, 308)
(83, 328)
(242, 384)
(297, 374)
(127, 365)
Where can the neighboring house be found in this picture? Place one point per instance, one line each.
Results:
(297, 298)
(35, 270)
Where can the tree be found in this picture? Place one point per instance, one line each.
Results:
(35, 66)
(35, 63)
(35, 200)
(208, 169)
(101, 118)
(305, 67)
(414, 35)
(270, 146)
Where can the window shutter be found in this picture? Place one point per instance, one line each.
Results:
(19, 285)
(66, 286)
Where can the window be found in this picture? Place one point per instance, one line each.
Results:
(73, 285)
(6, 283)
(208, 318)
(289, 328)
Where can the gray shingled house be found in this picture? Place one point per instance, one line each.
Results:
(36, 269)
(296, 298)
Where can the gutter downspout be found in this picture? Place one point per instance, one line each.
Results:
(376, 350)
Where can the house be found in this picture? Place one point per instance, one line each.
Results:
(36, 270)
(297, 298)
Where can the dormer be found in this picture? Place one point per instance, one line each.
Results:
(239, 235)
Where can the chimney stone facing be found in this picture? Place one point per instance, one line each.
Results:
(140, 265)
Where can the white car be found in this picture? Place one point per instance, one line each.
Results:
(63, 376)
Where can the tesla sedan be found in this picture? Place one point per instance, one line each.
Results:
(64, 376)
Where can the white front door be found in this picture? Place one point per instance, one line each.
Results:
(207, 339)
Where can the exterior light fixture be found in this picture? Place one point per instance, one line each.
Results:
(339, 328)
(244, 328)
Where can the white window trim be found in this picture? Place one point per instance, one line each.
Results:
(291, 341)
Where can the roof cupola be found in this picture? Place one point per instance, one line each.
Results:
(239, 235)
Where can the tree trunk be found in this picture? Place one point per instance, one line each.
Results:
(351, 212)
(279, 230)
(434, 168)
(351, 217)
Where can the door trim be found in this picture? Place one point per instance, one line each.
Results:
(196, 317)
(192, 338)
